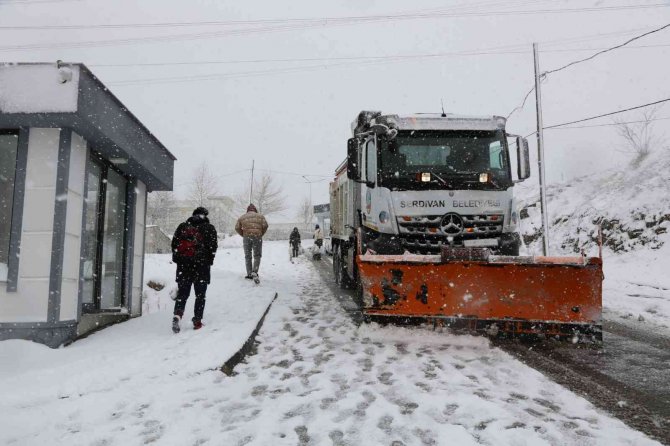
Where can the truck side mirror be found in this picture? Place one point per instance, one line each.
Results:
(522, 157)
(353, 169)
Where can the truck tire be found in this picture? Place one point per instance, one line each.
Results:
(510, 244)
(340, 269)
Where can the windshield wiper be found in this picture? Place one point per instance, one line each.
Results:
(439, 178)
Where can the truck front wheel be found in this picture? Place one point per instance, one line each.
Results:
(510, 244)
(340, 268)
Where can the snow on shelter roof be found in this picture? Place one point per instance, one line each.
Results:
(68, 95)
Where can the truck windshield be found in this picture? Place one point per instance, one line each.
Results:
(456, 158)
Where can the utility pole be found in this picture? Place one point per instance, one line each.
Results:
(310, 188)
(251, 188)
(540, 154)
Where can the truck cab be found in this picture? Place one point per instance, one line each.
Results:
(419, 182)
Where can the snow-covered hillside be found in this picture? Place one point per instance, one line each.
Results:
(633, 208)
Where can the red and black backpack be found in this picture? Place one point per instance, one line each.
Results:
(190, 243)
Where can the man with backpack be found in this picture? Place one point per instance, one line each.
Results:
(194, 246)
(252, 226)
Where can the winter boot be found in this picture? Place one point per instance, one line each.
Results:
(175, 324)
(197, 325)
(248, 277)
(257, 279)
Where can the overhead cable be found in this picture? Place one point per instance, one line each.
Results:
(444, 13)
(610, 124)
(593, 56)
(606, 114)
(545, 73)
(303, 24)
(345, 58)
(523, 103)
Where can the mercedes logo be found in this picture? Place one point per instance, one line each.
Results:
(452, 224)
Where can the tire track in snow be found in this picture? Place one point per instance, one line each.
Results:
(319, 378)
(627, 378)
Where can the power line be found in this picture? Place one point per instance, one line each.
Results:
(466, 6)
(33, 2)
(294, 173)
(606, 114)
(302, 24)
(346, 61)
(253, 73)
(440, 13)
(237, 172)
(610, 124)
(523, 103)
(593, 56)
(346, 58)
(544, 74)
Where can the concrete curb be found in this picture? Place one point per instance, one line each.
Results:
(248, 346)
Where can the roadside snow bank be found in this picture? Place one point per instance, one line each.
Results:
(633, 207)
(159, 283)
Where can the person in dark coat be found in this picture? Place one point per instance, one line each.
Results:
(194, 246)
(294, 241)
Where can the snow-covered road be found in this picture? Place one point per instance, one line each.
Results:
(315, 378)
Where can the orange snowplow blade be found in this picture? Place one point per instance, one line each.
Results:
(551, 296)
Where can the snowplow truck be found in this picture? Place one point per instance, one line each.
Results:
(425, 225)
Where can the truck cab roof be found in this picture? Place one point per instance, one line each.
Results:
(427, 121)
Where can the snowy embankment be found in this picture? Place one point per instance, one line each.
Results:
(633, 208)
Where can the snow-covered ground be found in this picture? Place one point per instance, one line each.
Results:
(89, 391)
(633, 207)
(316, 378)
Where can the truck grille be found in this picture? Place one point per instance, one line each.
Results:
(427, 233)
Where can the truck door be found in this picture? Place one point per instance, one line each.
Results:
(370, 194)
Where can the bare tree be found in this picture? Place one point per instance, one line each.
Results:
(221, 210)
(306, 212)
(203, 185)
(158, 208)
(267, 196)
(639, 137)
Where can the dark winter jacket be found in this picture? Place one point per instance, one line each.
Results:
(294, 239)
(194, 246)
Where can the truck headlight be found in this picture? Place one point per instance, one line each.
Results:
(484, 177)
(383, 217)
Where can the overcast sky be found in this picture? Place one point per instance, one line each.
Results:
(294, 116)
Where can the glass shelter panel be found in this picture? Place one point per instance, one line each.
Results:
(90, 236)
(111, 291)
(8, 150)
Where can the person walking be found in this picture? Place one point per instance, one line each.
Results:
(252, 226)
(294, 241)
(318, 236)
(194, 246)
(318, 243)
